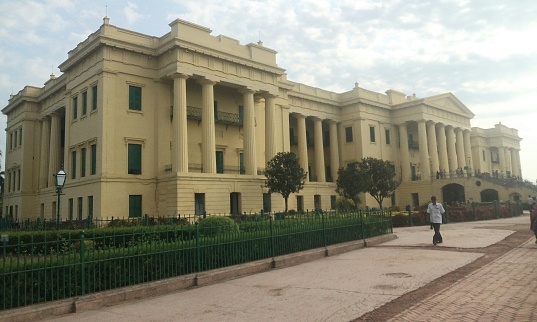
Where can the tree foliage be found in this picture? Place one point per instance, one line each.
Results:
(284, 175)
(370, 175)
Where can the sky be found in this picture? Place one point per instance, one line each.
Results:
(482, 51)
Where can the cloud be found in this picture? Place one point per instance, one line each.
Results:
(131, 13)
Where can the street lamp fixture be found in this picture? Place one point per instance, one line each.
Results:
(60, 181)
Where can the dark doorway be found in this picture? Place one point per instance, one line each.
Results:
(453, 193)
(489, 195)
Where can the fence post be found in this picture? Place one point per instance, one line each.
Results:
(324, 229)
(272, 250)
(447, 212)
(82, 264)
(495, 202)
(361, 223)
(204, 214)
(198, 251)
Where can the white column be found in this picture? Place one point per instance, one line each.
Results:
(285, 121)
(468, 150)
(250, 164)
(514, 169)
(334, 150)
(302, 142)
(405, 154)
(208, 150)
(54, 148)
(519, 166)
(180, 132)
(44, 155)
(433, 149)
(461, 158)
(442, 149)
(507, 160)
(319, 150)
(270, 137)
(502, 165)
(424, 151)
(452, 155)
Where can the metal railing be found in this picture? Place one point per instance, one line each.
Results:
(52, 265)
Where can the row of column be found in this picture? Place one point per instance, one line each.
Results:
(50, 154)
(180, 132)
(509, 161)
(452, 152)
(318, 147)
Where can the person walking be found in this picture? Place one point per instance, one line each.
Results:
(533, 220)
(530, 203)
(435, 211)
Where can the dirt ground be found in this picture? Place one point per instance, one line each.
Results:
(395, 307)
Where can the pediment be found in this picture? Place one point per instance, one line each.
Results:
(448, 102)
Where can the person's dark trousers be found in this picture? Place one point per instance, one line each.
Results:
(437, 238)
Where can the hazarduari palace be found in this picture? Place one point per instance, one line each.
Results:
(186, 122)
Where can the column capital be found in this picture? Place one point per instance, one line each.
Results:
(180, 75)
(246, 90)
(206, 81)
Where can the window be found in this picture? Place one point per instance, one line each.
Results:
(241, 114)
(73, 165)
(84, 102)
(199, 204)
(219, 161)
(317, 202)
(135, 98)
(292, 136)
(299, 203)
(241, 163)
(267, 202)
(90, 206)
(135, 206)
(75, 107)
(332, 202)
(484, 155)
(20, 136)
(80, 201)
(348, 134)
(387, 136)
(93, 164)
(328, 172)
(15, 139)
(71, 208)
(326, 138)
(135, 159)
(19, 180)
(94, 98)
(11, 141)
(83, 162)
(372, 134)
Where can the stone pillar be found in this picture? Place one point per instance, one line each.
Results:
(451, 150)
(405, 154)
(319, 150)
(514, 168)
(425, 167)
(501, 166)
(442, 149)
(468, 151)
(285, 121)
(508, 166)
(208, 150)
(270, 137)
(519, 166)
(54, 147)
(302, 142)
(461, 158)
(334, 150)
(44, 155)
(250, 164)
(433, 149)
(180, 128)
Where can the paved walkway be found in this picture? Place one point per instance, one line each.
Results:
(346, 286)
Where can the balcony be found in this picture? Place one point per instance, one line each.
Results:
(194, 113)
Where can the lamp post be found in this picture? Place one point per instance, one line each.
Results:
(60, 181)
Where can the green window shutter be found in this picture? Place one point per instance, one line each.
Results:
(93, 159)
(348, 134)
(388, 137)
(135, 206)
(83, 162)
(75, 107)
(94, 98)
(80, 200)
(84, 103)
(73, 165)
(372, 134)
(332, 202)
(135, 159)
(241, 114)
(215, 110)
(135, 98)
(241, 163)
(219, 162)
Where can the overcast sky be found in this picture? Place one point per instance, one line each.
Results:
(483, 51)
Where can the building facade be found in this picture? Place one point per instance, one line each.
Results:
(185, 123)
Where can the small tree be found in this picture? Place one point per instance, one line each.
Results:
(284, 175)
(349, 183)
(378, 176)
(370, 175)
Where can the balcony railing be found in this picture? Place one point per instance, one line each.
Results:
(194, 113)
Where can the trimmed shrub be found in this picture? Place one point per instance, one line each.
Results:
(215, 225)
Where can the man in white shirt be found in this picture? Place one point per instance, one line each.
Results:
(530, 202)
(435, 211)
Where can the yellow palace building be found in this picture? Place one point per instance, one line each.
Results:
(186, 122)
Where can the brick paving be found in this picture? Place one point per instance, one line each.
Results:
(503, 290)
